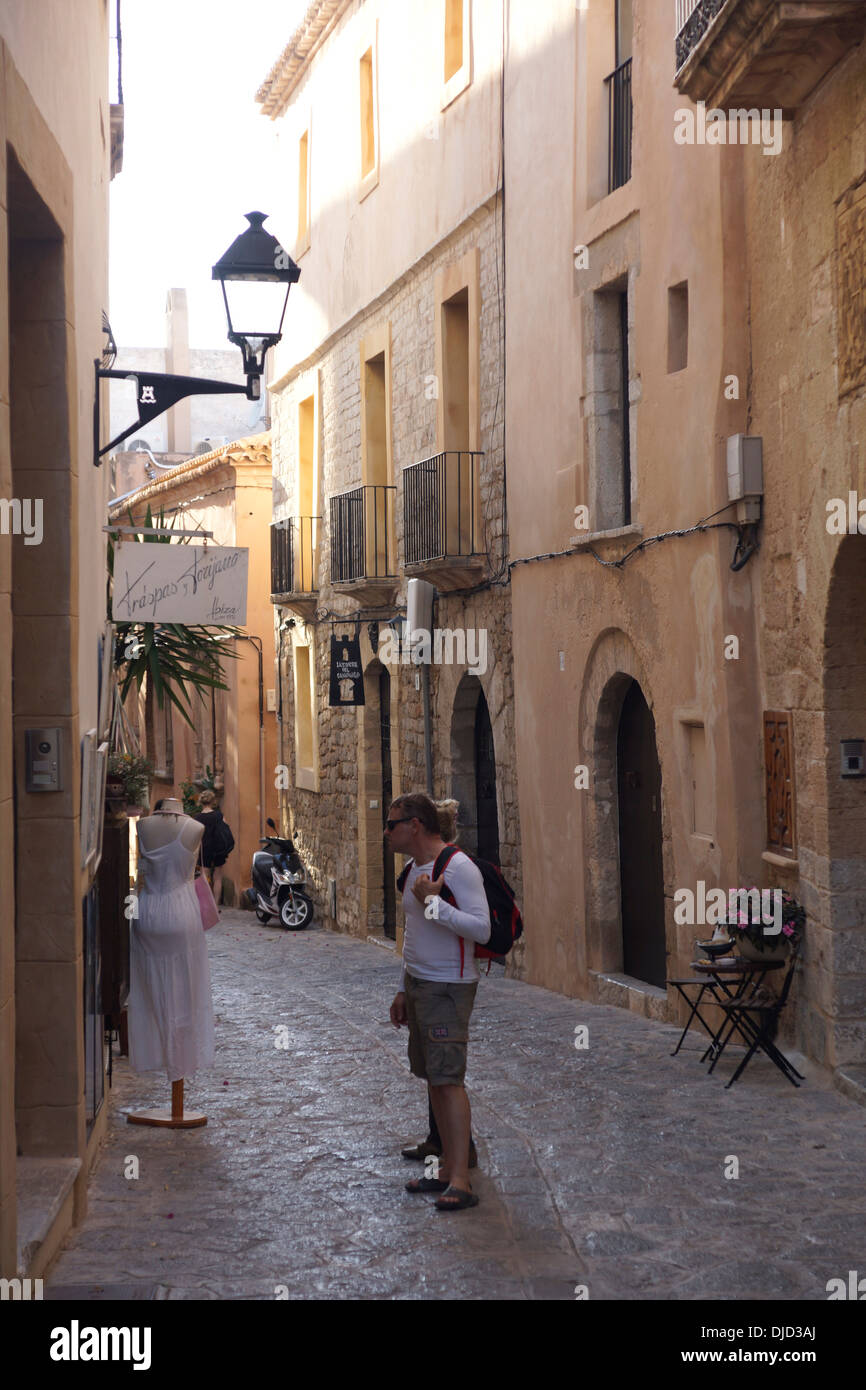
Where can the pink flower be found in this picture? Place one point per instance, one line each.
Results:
(788, 931)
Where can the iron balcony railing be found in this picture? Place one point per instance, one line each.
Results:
(362, 530)
(294, 554)
(694, 18)
(620, 124)
(441, 506)
(685, 8)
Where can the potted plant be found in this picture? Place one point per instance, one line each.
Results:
(758, 940)
(133, 774)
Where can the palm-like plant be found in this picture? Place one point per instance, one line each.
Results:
(175, 657)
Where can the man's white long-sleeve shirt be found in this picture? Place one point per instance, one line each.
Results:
(432, 948)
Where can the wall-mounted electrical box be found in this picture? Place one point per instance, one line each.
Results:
(42, 752)
(271, 696)
(746, 475)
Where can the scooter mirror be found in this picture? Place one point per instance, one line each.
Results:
(271, 823)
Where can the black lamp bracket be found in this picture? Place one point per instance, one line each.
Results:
(156, 393)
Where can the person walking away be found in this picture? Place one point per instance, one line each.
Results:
(438, 983)
(218, 841)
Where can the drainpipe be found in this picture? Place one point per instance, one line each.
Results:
(428, 732)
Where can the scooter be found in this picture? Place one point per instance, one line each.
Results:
(278, 879)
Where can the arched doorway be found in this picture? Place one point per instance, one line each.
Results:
(375, 792)
(485, 784)
(644, 954)
(473, 770)
(389, 895)
(837, 920)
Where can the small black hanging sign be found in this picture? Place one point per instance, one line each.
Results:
(347, 677)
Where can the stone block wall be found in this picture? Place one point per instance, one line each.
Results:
(328, 823)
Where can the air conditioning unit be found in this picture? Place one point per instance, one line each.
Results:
(211, 443)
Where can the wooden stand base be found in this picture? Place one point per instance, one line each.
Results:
(175, 1118)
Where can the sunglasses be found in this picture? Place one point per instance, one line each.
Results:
(389, 824)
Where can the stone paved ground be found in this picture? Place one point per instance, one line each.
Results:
(602, 1167)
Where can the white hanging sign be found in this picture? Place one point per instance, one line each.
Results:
(194, 584)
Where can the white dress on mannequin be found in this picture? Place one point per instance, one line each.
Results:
(171, 1025)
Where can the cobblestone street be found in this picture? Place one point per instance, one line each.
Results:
(602, 1167)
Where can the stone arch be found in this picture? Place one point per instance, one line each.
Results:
(612, 666)
(469, 697)
(836, 940)
(371, 811)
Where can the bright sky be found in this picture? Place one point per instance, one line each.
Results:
(197, 154)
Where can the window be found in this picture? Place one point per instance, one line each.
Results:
(678, 327)
(306, 732)
(369, 150)
(779, 782)
(303, 193)
(457, 297)
(457, 67)
(607, 410)
(701, 798)
(305, 536)
(619, 99)
(453, 37)
(376, 448)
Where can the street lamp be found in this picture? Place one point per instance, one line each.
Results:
(254, 263)
(257, 267)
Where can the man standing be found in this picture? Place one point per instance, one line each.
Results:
(438, 983)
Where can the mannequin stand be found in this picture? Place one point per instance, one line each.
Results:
(175, 1118)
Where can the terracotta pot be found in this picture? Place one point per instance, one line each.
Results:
(775, 949)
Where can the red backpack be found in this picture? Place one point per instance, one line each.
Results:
(506, 923)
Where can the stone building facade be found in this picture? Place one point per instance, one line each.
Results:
(687, 290)
(60, 141)
(407, 368)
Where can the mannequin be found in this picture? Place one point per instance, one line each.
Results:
(170, 1006)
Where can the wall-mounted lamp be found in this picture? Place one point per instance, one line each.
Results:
(257, 267)
(853, 757)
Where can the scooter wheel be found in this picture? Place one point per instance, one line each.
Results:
(296, 912)
(263, 916)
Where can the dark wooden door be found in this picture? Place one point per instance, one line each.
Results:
(640, 842)
(389, 892)
(485, 784)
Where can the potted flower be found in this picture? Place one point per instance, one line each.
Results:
(133, 774)
(762, 940)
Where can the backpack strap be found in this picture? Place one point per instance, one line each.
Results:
(404, 874)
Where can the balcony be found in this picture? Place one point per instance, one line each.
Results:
(767, 54)
(295, 564)
(619, 125)
(362, 544)
(441, 520)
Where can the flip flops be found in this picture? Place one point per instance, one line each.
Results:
(427, 1185)
(464, 1200)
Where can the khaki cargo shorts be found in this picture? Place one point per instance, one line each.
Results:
(438, 1028)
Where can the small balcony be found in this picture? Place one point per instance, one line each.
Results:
(363, 560)
(295, 564)
(441, 520)
(765, 54)
(619, 126)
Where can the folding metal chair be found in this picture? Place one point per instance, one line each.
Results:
(757, 1019)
